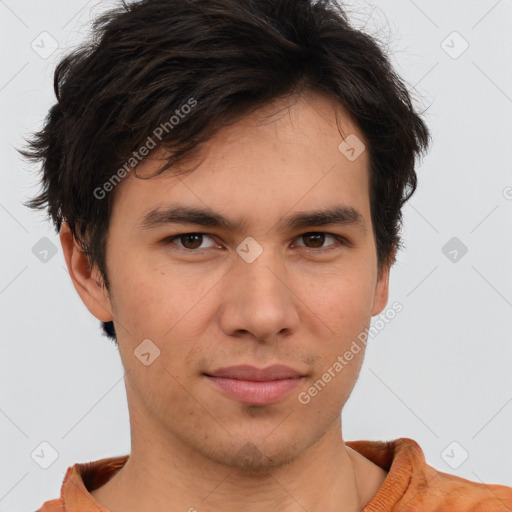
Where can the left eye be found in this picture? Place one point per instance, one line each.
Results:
(318, 238)
(193, 241)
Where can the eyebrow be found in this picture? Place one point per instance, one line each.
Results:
(181, 214)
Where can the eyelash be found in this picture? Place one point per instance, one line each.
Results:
(342, 241)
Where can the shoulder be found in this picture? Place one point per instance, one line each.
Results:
(438, 491)
(413, 485)
(52, 506)
(452, 492)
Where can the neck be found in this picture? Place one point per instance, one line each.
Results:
(328, 476)
(207, 468)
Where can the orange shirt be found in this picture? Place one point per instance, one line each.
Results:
(410, 486)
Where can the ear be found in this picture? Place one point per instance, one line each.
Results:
(87, 282)
(382, 289)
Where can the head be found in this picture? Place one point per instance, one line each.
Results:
(242, 109)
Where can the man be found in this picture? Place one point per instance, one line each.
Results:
(227, 178)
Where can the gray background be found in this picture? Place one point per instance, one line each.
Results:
(438, 373)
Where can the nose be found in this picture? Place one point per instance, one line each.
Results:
(259, 300)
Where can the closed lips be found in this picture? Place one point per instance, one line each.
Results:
(252, 373)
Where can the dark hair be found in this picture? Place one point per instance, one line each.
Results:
(148, 59)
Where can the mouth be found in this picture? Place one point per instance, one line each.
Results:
(252, 392)
(254, 386)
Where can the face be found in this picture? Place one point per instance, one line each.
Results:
(268, 291)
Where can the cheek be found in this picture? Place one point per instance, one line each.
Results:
(340, 304)
(172, 312)
(342, 298)
(155, 302)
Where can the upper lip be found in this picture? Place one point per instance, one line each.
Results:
(247, 372)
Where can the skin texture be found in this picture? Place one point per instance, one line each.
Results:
(192, 446)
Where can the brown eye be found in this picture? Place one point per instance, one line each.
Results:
(316, 239)
(189, 241)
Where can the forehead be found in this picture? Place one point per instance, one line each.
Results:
(290, 154)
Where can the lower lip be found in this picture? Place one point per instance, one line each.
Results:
(252, 392)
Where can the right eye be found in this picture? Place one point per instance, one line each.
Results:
(189, 241)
